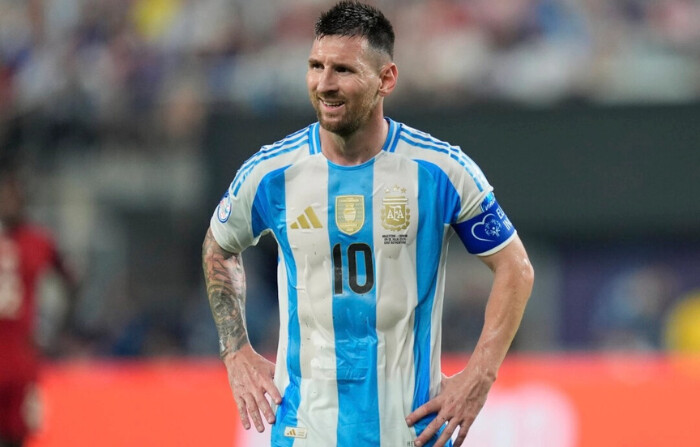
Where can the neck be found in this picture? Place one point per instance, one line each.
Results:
(356, 148)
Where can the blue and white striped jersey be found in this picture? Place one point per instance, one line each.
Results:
(361, 276)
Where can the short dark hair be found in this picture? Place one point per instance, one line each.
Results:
(352, 18)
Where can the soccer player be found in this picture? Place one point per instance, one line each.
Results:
(362, 208)
(26, 252)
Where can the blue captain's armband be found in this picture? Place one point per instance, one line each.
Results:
(486, 231)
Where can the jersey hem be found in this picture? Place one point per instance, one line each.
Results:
(218, 236)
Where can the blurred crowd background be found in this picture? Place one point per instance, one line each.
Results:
(128, 119)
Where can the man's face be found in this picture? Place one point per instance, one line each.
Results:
(343, 81)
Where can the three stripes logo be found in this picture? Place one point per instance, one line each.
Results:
(306, 220)
(295, 432)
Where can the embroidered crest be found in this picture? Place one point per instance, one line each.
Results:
(396, 215)
(224, 211)
(350, 213)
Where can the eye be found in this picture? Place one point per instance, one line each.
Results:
(314, 65)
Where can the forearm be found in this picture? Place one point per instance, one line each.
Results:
(510, 292)
(226, 286)
(462, 396)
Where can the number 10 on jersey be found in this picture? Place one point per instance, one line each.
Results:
(359, 256)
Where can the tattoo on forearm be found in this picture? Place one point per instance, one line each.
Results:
(225, 281)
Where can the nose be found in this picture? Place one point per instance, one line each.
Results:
(326, 81)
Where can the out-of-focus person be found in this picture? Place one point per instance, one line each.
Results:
(27, 252)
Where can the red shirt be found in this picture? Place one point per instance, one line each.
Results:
(25, 253)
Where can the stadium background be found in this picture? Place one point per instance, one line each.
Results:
(131, 117)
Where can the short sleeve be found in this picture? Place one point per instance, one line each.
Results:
(232, 222)
(482, 225)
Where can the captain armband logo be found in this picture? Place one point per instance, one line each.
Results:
(487, 230)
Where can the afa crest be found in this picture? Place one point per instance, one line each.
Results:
(395, 213)
(350, 213)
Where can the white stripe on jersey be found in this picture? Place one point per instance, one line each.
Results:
(311, 250)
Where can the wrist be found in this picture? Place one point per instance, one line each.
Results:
(230, 351)
(484, 372)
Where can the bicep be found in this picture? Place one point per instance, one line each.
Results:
(212, 249)
(512, 258)
(217, 263)
(223, 270)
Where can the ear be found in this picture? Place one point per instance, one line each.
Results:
(387, 77)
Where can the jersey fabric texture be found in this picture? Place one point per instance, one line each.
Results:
(25, 253)
(361, 275)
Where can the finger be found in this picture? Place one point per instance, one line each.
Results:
(463, 430)
(272, 391)
(271, 369)
(265, 408)
(446, 433)
(432, 406)
(243, 413)
(254, 413)
(430, 430)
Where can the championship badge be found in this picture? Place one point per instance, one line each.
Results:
(349, 213)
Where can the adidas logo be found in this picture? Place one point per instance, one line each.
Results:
(306, 220)
(295, 432)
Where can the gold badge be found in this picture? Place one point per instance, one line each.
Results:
(349, 213)
(395, 214)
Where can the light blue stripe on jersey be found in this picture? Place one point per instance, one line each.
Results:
(429, 242)
(274, 198)
(261, 217)
(314, 139)
(391, 140)
(445, 191)
(427, 142)
(355, 314)
(290, 143)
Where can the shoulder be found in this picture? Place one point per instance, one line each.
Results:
(274, 157)
(437, 154)
(298, 143)
(422, 146)
(407, 136)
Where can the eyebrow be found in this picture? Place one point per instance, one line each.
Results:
(313, 60)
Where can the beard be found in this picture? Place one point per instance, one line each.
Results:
(351, 120)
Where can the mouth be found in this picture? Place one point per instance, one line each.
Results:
(333, 105)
